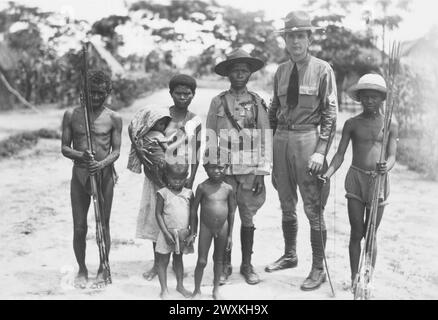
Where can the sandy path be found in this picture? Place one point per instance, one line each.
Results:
(37, 260)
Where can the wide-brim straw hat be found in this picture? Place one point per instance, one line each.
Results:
(368, 81)
(236, 56)
(297, 21)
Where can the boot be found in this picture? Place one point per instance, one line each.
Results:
(317, 275)
(289, 259)
(247, 241)
(227, 267)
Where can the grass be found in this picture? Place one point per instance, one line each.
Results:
(25, 140)
(418, 157)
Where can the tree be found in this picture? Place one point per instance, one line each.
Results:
(384, 20)
(348, 52)
(105, 27)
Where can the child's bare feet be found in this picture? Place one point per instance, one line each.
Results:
(186, 293)
(196, 295)
(81, 279)
(165, 295)
(216, 294)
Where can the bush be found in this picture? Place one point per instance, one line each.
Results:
(416, 115)
(126, 90)
(25, 140)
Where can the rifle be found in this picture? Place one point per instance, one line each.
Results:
(364, 276)
(101, 231)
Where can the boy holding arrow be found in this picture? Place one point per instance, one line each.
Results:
(106, 129)
(366, 133)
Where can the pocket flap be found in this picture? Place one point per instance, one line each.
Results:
(308, 90)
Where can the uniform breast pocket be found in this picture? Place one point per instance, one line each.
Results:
(282, 94)
(222, 121)
(308, 96)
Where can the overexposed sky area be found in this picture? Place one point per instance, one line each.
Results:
(420, 18)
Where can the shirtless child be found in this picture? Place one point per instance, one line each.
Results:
(106, 138)
(218, 205)
(366, 133)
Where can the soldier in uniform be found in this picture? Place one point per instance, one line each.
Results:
(302, 115)
(241, 113)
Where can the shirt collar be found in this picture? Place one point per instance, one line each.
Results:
(302, 62)
(236, 94)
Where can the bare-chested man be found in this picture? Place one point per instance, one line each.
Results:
(106, 129)
(365, 132)
(218, 205)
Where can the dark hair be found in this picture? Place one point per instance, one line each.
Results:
(213, 161)
(182, 80)
(177, 169)
(99, 77)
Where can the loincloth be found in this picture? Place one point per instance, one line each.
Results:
(81, 176)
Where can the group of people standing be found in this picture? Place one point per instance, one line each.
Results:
(299, 125)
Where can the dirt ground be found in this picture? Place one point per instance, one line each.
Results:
(36, 254)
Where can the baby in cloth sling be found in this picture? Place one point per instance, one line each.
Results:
(150, 144)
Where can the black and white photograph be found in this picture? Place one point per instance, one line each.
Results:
(218, 150)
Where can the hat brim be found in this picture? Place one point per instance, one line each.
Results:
(353, 92)
(296, 29)
(222, 68)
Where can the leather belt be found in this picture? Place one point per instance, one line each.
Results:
(297, 127)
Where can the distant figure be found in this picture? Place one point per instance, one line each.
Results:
(106, 138)
(173, 214)
(303, 115)
(152, 62)
(366, 133)
(218, 204)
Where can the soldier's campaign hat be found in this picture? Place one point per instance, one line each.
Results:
(368, 81)
(297, 21)
(236, 56)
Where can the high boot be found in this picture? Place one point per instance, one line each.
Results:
(247, 241)
(289, 259)
(227, 267)
(317, 275)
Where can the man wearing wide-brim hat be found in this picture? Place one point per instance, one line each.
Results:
(302, 115)
(239, 118)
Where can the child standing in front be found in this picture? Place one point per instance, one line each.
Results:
(366, 133)
(218, 205)
(173, 213)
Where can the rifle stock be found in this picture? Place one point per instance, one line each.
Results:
(100, 228)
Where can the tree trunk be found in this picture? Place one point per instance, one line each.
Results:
(340, 76)
(16, 93)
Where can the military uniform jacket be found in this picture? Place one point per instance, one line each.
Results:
(317, 101)
(243, 132)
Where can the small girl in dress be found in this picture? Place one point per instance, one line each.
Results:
(173, 214)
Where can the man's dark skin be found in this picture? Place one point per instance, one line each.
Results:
(106, 130)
